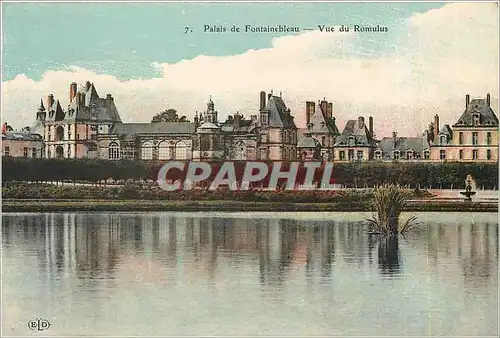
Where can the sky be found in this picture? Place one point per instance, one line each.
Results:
(432, 55)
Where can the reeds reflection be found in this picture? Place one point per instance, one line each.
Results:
(389, 256)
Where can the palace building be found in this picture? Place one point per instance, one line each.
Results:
(91, 127)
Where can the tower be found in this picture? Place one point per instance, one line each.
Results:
(41, 114)
(211, 113)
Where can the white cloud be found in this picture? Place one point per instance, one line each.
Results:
(445, 54)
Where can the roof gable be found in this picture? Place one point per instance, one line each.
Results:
(487, 118)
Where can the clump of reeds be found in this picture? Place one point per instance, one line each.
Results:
(388, 202)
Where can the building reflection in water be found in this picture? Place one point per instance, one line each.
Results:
(91, 246)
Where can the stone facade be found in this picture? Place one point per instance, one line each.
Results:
(22, 144)
(91, 127)
(473, 138)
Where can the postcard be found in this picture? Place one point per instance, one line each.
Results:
(250, 168)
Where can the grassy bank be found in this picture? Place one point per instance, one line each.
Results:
(223, 205)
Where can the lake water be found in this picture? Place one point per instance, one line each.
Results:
(248, 274)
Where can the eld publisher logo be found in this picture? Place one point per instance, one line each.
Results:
(38, 324)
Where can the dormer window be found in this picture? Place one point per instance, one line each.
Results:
(396, 154)
(378, 154)
(351, 141)
(409, 154)
(442, 139)
(475, 119)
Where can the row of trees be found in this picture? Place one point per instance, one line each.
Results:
(425, 175)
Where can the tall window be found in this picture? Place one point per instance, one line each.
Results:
(25, 152)
(350, 154)
(33, 152)
(323, 141)
(7, 151)
(427, 155)
(475, 154)
(59, 133)
(147, 150)
(488, 154)
(342, 155)
(164, 151)
(181, 151)
(488, 138)
(461, 154)
(360, 155)
(475, 138)
(114, 151)
(460, 138)
(442, 154)
(240, 151)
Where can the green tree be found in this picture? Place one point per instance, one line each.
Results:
(169, 115)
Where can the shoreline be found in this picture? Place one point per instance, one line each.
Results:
(67, 205)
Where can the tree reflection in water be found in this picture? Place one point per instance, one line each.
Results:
(389, 256)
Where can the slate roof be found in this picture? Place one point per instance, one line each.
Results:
(308, 142)
(320, 125)
(245, 127)
(20, 136)
(55, 112)
(208, 127)
(446, 130)
(481, 106)
(104, 108)
(279, 115)
(153, 128)
(362, 135)
(386, 145)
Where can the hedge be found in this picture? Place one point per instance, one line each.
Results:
(424, 175)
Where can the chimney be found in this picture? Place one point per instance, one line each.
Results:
(310, 107)
(196, 120)
(270, 95)
(467, 100)
(361, 122)
(237, 120)
(324, 107)
(109, 97)
(488, 99)
(262, 100)
(370, 126)
(329, 111)
(50, 101)
(394, 138)
(436, 126)
(72, 91)
(87, 86)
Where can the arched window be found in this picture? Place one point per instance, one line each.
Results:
(240, 151)
(114, 151)
(181, 151)
(147, 150)
(59, 133)
(164, 152)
